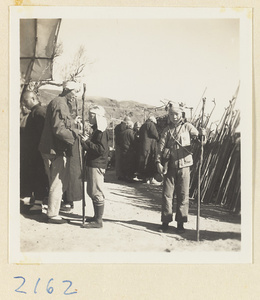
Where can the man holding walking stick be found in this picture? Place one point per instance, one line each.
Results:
(173, 161)
(59, 134)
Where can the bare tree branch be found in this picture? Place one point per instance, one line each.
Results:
(58, 50)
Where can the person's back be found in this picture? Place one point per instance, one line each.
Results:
(127, 149)
(148, 132)
(119, 129)
(118, 137)
(148, 144)
(127, 140)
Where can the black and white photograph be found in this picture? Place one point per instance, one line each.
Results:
(131, 135)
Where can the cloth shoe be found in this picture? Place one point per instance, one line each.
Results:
(155, 182)
(44, 209)
(180, 228)
(35, 209)
(57, 220)
(164, 227)
(66, 207)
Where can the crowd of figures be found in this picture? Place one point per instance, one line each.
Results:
(52, 160)
(136, 150)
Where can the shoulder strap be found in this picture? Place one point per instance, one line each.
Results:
(175, 140)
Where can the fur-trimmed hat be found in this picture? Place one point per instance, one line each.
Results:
(174, 106)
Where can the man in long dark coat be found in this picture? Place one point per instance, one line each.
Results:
(128, 151)
(118, 133)
(34, 169)
(148, 148)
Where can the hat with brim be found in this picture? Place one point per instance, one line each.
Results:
(69, 86)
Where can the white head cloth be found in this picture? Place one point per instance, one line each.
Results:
(100, 117)
(152, 118)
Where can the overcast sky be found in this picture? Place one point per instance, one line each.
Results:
(154, 59)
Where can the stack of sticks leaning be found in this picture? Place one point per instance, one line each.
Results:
(61, 149)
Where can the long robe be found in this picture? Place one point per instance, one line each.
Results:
(148, 149)
(33, 176)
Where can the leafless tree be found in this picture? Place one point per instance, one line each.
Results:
(74, 69)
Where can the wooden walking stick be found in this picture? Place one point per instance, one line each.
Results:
(199, 174)
(82, 156)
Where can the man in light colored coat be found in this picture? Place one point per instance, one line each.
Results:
(174, 159)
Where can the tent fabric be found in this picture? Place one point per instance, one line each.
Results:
(38, 38)
(27, 37)
(42, 67)
(24, 68)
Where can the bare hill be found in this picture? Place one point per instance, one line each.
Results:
(115, 110)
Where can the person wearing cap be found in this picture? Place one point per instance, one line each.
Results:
(174, 160)
(59, 134)
(96, 161)
(119, 129)
(148, 138)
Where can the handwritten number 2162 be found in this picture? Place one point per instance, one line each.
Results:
(49, 288)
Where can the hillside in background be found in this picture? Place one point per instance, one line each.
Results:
(115, 110)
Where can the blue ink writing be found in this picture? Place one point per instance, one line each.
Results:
(36, 286)
(17, 290)
(49, 289)
(70, 284)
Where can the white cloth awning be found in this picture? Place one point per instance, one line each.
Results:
(38, 39)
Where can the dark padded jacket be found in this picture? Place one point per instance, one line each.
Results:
(59, 132)
(97, 149)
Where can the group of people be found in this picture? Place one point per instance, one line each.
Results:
(136, 149)
(58, 137)
(141, 151)
(53, 135)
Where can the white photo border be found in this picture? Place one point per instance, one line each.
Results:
(70, 12)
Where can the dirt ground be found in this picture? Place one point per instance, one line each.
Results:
(131, 221)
